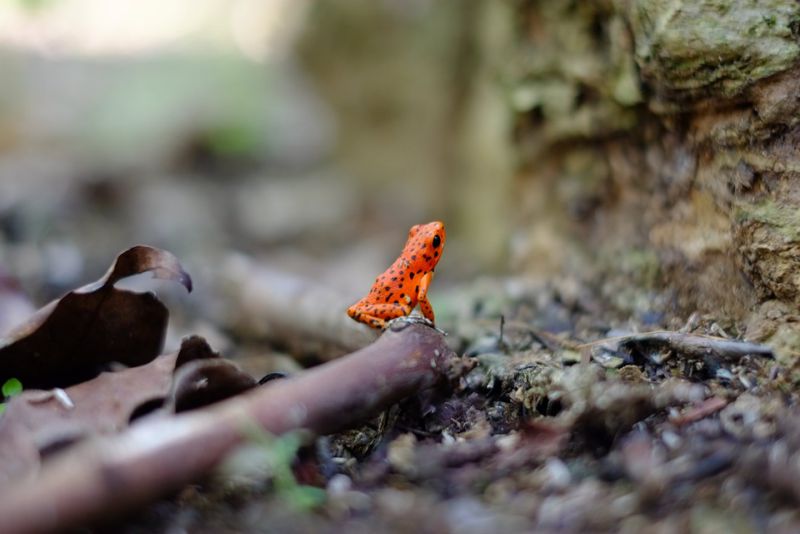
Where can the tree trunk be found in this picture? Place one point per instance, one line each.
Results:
(662, 140)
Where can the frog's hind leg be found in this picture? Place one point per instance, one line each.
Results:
(377, 315)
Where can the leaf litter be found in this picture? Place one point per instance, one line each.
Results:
(73, 338)
(582, 430)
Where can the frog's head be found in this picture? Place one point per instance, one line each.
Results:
(425, 244)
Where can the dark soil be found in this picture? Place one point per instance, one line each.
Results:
(642, 438)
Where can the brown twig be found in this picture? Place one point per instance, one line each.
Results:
(106, 476)
(708, 407)
(692, 345)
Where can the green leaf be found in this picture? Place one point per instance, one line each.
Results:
(280, 452)
(285, 447)
(304, 497)
(12, 387)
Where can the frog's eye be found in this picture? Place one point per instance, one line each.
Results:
(436, 241)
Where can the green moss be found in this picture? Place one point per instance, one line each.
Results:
(786, 344)
(714, 46)
(577, 72)
(760, 162)
(785, 219)
(643, 264)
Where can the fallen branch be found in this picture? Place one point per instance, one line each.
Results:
(689, 345)
(106, 476)
(286, 308)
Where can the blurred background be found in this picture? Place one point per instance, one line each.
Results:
(616, 159)
(279, 128)
(307, 136)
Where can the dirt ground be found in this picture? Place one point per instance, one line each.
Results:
(549, 429)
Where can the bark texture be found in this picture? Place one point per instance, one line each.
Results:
(662, 139)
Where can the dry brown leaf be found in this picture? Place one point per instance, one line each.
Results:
(72, 338)
(38, 423)
(203, 382)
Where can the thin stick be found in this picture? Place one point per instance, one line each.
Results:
(693, 345)
(708, 407)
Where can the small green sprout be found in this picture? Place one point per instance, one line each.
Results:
(280, 452)
(11, 387)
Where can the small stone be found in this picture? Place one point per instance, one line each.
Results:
(339, 484)
(402, 454)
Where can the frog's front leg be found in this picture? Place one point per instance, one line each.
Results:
(422, 296)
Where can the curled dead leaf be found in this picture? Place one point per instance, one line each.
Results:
(203, 382)
(73, 338)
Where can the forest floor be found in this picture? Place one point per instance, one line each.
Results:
(569, 413)
(560, 421)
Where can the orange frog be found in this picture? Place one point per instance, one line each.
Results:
(398, 290)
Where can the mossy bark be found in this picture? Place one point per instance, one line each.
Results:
(666, 130)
